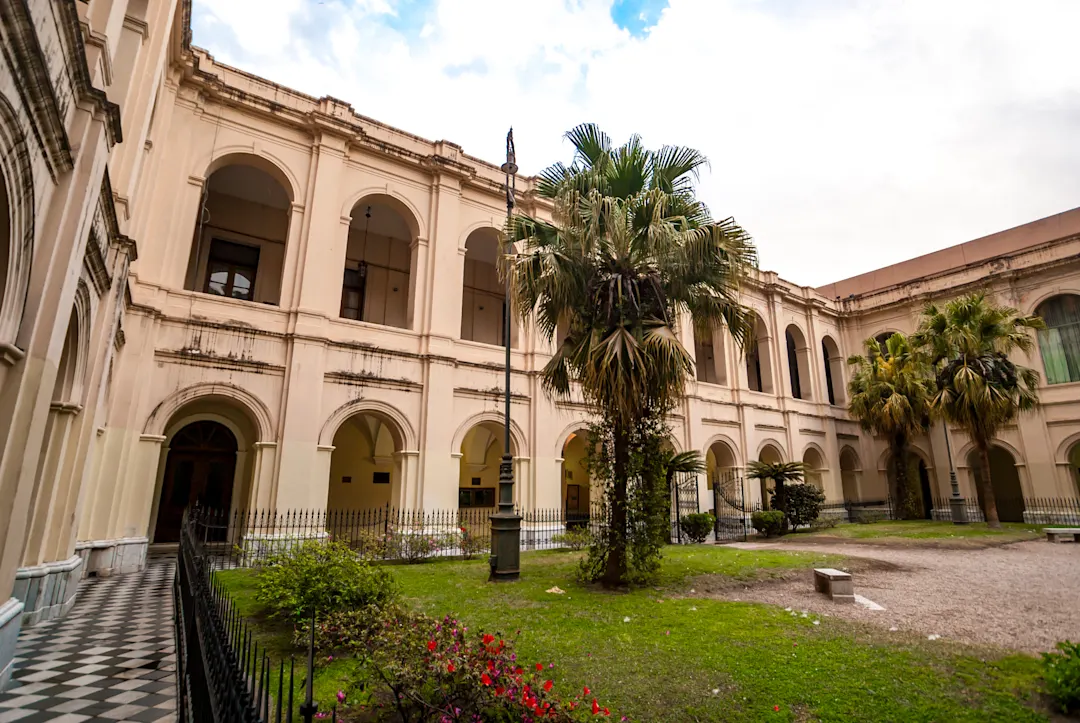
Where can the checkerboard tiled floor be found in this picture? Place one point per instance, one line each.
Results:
(112, 658)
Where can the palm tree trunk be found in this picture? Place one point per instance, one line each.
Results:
(904, 497)
(670, 475)
(986, 486)
(615, 571)
(780, 498)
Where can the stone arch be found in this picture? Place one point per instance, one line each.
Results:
(770, 442)
(1031, 304)
(969, 447)
(399, 425)
(255, 157)
(850, 472)
(488, 223)
(727, 442)
(835, 389)
(813, 456)
(1068, 456)
(1061, 456)
(256, 409)
(16, 227)
(517, 436)
(721, 457)
(393, 199)
(1005, 481)
(563, 437)
(882, 336)
(378, 285)
(82, 316)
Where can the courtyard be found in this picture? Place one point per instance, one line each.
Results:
(735, 632)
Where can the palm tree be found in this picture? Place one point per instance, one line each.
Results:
(630, 250)
(780, 473)
(978, 387)
(890, 394)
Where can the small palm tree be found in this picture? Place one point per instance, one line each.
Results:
(690, 462)
(979, 388)
(630, 250)
(780, 473)
(891, 390)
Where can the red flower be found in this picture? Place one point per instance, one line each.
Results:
(587, 691)
(519, 670)
(450, 667)
(547, 685)
(499, 690)
(485, 679)
(491, 665)
(595, 707)
(431, 645)
(572, 705)
(607, 712)
(488, 639)
(776, 708)
(539, 666)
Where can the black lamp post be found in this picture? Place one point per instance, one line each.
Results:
(956, 502)
(506, 524)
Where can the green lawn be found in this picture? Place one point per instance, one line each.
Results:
(685, 657)
(932, 533)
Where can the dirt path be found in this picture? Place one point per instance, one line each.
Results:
(1024, 596)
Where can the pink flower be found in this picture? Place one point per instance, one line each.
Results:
(341, 696)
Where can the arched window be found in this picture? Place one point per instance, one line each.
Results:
(759, 359)
(709, 356)
(243, 222)
(834, 370)
(798, 355)
(883, 340)
(1059, 342)
(483, 298)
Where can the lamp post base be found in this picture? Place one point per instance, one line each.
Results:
(959, 511)
(505, 529)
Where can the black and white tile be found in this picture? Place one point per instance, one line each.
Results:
(112, 658)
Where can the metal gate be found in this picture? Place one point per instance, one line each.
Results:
(684, 501)
(731, 508)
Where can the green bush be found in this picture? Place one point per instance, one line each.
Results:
(324, 576)
(576, 539)
(697, 526)
(471, 543)
(768, 522)
(804, 503)
(823, 523)
(1062, 673)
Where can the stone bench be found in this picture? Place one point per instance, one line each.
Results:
(1063, 534)
(836, 584)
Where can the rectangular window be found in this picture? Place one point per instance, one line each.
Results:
(352, 293)
(476, 498)
(231, 270)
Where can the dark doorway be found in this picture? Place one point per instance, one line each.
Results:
(199, 470)
(1005, 480)
(924, 486)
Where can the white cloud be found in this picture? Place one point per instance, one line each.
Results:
(843, 135)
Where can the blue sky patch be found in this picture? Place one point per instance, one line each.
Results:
(637, 16)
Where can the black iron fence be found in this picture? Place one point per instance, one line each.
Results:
(243, 538)
(222, 674)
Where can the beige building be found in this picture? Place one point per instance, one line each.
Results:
(313, 318)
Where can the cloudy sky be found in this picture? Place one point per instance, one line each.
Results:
(843, 134)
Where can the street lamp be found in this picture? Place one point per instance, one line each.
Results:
(956, 502)
(506, 524)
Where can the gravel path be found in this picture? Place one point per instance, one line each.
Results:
(1024, 596)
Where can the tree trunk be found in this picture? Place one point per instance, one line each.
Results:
(780, 498)
(904, 498)
(986, 487)
(615, 571)
(670, 494)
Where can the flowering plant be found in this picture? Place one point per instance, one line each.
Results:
(437, 671)
(471, 544)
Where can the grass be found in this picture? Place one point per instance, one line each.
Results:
(684, 656)
(924, 532)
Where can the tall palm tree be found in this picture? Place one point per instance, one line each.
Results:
(780, 473)
(979, 388)
(630, 250)
(890, 394)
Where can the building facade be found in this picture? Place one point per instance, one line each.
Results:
(314, 319)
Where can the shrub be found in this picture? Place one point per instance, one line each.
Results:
(1062, 673)
(321, 576)
(423, 669)
(697, 526)
(768, 522)
(576, 539)
(823, 523)
(804, 503)
(471, 544)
